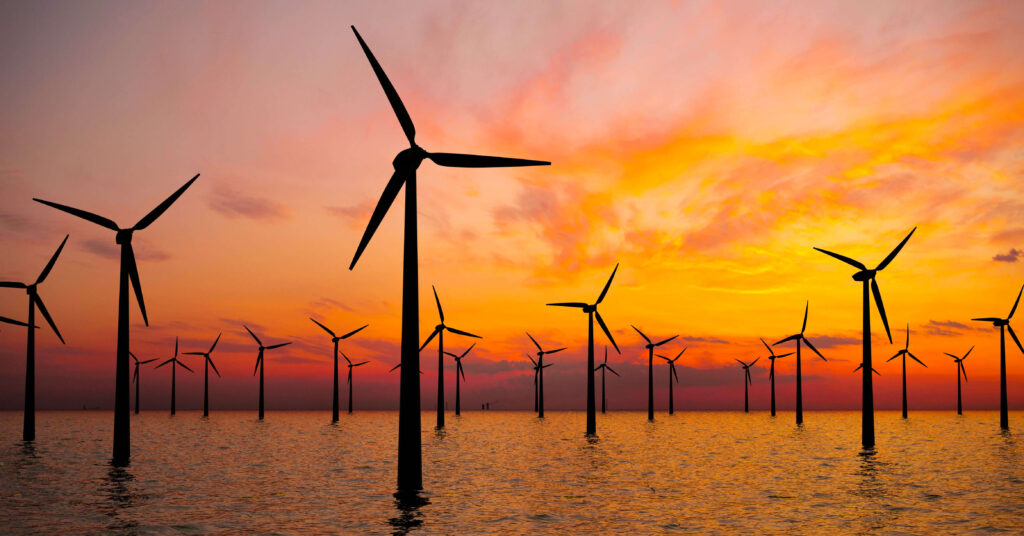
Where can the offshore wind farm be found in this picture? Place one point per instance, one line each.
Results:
(689, 201)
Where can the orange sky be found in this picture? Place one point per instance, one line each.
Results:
(704, 146)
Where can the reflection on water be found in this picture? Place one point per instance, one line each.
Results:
(509, 472)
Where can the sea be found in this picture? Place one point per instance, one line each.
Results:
(508, 472)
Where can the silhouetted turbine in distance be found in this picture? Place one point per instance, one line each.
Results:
(439, 333)
(650, 370)
(135, 378)
(906, 352)
(410, 468)
(1004, 325)
(259, 362)
(672, 374)
(746, 383)
(129, 271)
(867, 278)
(960, 368)
(335, 339)
(604, 366)
(799, 338)
(538, 379)
(174, 372)
(351, 366)
(207, 363)
(771, 373)
(458, 372)
(591, 310)
(28, 431)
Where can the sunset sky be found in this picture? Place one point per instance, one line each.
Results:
(704, 146)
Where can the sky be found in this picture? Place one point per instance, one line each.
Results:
(705, 147)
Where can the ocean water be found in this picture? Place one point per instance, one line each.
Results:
(502, 472)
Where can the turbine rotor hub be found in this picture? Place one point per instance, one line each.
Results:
(864, 275)
(409, 159)
(30, 289)
(1002, 322)
(124, 236)
(590, 308)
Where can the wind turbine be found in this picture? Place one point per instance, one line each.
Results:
(207, 363)
(771, 375)
(904, 353)
(650, 369)
(604, 366)
(672, 374)
(746, 383)
(439, 333)
(129, 271)
(459, 371)
(1004, 325)
(867, 279)
(259, 362)
(960, 369)
(28, 431)
(335, 339)
(538, 377)
(174, 372)
(135, 378)
(351, 366)
(800, 338)
(591, 311)
(410, 463)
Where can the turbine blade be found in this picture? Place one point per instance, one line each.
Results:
(387, 197)
(641, 333)
(324, 327)
(98, 220)
(135, 375)
(133, 274)
(353, 332)
(133, 356)
(535, 343)
(962, 369)
(396, 103)
(164, 363)
(606, 332)
(672, 367)
(147, 361)
(768, 347)
(395, 367)
(193, 353)
(881, 308)
(215, 341)
(1015, 339)
(843, 258)
(875, 371)
(807, 307)
(360, 364)
(440, 312)
(347, 360)
(607, 285)
(895, 356)
(210, 361)
(612, 371)
(754, 361)
(548, 365)
(46, 315)
(467, 350)
(451, 354)
(892, 255)
(478, 161)
(463, 333)
(578, 305)
(180, 364)
(462, 371)
(914, 357)
(813, 349)
(555, 351)
(271, 347)
(741, 363)
(13, 322)
(12, 284)
(780, 356)
(430, 338)
(907, 345)
(663, 357)
(531, 360)
(259, 359)
(987, 319)
(253, 335)
(53, 260)
(1014, 310)
(666, 340)
(860, 366)
(968, 353)
(787, 339)
(951, 355)
(156, 212)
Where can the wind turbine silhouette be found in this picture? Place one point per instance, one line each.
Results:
(351, 366)
(207, 363)
(604, 366)
(672, 373)
(960, 368)
(746, 383)
(867, 278)
(28, 431)
(129, 271)
(174, 372)
(335, 339)
(771, 374)
(459, 371)
(439, 333)
(906, 352)
(591, 311)
(650, 370)
(538, 375)
(259, 362)
(1004, 325)
(135, 378)
(410, 463)
(800, 338)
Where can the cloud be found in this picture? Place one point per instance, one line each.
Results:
(709, 340)
(1009, 256)
(110, 250)
(946, 328)
(829, 341)
(354, 216)
(233, 203)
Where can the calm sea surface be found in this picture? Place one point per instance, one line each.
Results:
(511, 473)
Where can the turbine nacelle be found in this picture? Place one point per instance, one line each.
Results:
(865, 275)
(124, 236)
(410, 159)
